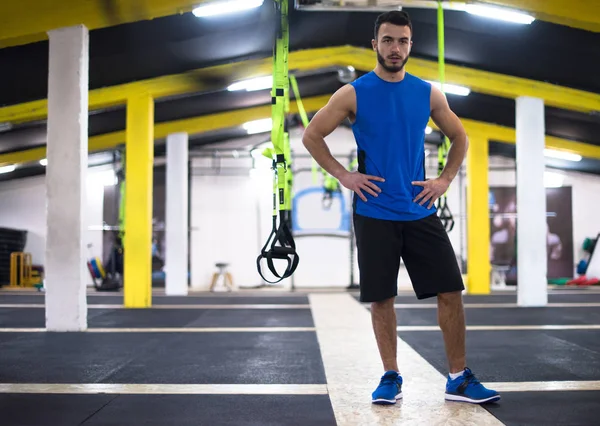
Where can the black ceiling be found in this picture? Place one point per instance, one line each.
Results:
(175, 44)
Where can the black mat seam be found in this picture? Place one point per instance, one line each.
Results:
(98, 410)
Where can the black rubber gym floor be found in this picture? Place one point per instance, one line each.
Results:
(275, 358)
(574, 408)
(518, 356)
(177, 358)
(562, 296)
(128, 318)
(107, 299)
(506, 316)
(162, 410)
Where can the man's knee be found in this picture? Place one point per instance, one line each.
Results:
(450, 298)
(383, 304)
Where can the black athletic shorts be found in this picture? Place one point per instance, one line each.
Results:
(423, 245)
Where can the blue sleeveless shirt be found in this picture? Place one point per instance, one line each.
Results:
(390, 135)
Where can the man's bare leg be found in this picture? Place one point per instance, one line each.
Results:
(383, 317)
(451, 318)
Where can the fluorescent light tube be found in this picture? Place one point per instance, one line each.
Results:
(452, 89)
(7, 169)
(225, 7)
(562, 155)
(259, 83)
(499, 13)
(258, 126)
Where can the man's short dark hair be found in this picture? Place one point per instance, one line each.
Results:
(395, 17)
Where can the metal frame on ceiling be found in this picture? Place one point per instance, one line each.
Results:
(475, 129)
(216, 78)
(584, 15)
(360, 58)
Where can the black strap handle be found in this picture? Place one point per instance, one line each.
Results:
(445, 214)
(285, 251)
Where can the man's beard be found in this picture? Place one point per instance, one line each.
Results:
(391, 68)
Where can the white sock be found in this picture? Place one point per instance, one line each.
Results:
(455, 376)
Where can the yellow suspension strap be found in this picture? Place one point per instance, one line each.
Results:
(330, 184)
(282, 179)
(442, 203)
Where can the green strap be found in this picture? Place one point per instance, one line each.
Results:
(442, 205)
(304, 118)
(445, 146)
(353, 164)
(330, 184)
(282, 179)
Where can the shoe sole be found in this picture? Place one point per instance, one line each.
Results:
(458, 398)
(382, 401)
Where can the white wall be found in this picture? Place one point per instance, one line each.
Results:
(231, 218)
(239, 208)
(23, 206)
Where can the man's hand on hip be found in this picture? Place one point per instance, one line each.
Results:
(358, 182)
(432, 190)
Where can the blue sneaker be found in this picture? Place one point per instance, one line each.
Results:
(389, 389)
(467, 388)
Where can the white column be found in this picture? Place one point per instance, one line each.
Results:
(176, 256)
(66, 199)
(532, 287)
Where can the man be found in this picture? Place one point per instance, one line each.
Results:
(394, 213)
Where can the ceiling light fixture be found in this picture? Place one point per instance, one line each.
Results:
(216, 8)
(258, 126)
(7, 169)
(452, 89)
(259, 83)
(562, 155)
(499, 13)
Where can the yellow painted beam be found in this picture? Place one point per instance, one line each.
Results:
(139, 162)
(27, 21)
(583, 14)
(235, 118)
(213, 78)
(204, 79)
(478, 218)
(508, 135)
(489, 83)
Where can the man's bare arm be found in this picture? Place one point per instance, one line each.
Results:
(339, 107)
(450, 125)
(342, 105)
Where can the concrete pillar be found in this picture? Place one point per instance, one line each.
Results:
(532, 284)
(67, 151)
(478, 218)
(176, 264)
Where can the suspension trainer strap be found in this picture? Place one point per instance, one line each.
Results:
(330, 184)
(304, 118)
(280, 244)
(442, 205)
